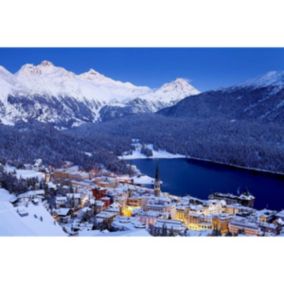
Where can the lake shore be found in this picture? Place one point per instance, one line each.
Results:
(200, 178)
(166, 155)
(281, 174)
(163, 154)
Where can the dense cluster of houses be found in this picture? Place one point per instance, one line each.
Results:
(83, 201)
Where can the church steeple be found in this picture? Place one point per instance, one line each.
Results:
(157, 183)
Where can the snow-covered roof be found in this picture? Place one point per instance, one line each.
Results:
(99, 203)
(61, 198)
(62, 211)
(31, 193)
(176, 225)
(73, 195)
(243, 222)
(265, 212)
(143, 179)
(280, 214)
(51, 185)
(25, 174)
(106, 215)
(150, 213)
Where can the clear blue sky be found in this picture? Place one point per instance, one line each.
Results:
(207, 68)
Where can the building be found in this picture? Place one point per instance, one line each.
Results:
(199, 222)
(231, 209)
(238, 209)
(106, 216)
(164, 227)
(99, 192)
(214, 207)
(74, 199)
(149, 218)
(61, 201)
(280, 215)
(220, 223)
(107, 201)
(157, 183)
(245, 199)
(181, 213)
(62, 215)
(135, 201)
(82, 184)
(265, 215)
(69, 173)
(106, 182)
(99, 206)
(160, 204)
(242, 225)
(270, 228)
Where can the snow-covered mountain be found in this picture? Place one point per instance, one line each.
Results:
(48, 93)
(171, 93)
(272, 78)
(167, 95)
(259, 99)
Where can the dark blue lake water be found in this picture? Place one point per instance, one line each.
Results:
(199, 179)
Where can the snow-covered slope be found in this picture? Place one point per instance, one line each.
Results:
(48, 93)
(272, 78)
(259, 99)
(48, 79)
(165, 96)
(38, 222)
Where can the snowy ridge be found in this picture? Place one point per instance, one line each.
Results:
(49, 93)
(272, 78)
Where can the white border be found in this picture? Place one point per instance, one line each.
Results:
(171, 23)
(147, 23)
(141, 260)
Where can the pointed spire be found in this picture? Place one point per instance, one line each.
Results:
(157, 184)
(157, 174)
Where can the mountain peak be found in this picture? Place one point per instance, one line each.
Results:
(44, 68)
(93, 74)
(181, 81)
(27, 69)
(46, 63)
(181, 85)
(173, 91)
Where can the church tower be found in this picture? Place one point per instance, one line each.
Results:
(157, 183)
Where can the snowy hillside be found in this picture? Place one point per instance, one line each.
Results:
(272, 78)
(48, 93)
(36, 222)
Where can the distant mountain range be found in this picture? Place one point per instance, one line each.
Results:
(260, 99)
(241, 125)
(51, 94)
(41, 105)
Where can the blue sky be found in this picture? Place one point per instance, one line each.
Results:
(207, 68)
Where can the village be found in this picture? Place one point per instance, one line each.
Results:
(101, 203)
